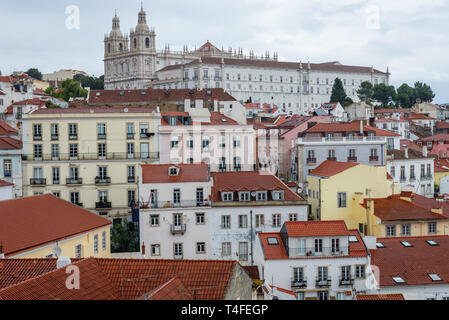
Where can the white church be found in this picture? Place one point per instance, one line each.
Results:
(132, 62)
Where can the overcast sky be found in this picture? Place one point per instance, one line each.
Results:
(410, 37)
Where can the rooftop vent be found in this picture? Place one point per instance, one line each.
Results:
(122, 93)
(143, 93)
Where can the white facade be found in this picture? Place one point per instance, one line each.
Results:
(6, 192)
(394, 125)
(417, 292)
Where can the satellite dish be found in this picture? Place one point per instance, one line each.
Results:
(253, 194)
(57, 251)
(125, 110)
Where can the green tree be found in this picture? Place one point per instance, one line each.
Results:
(384, 94)
(347, 102)
(366, 91)
(69, 89)
(423, 92)
(338, 92)
(405, 96)
(124, 237)
(90, 82)
(34, 73)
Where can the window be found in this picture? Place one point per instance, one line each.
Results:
(278, 195)
(37, 151)
(7, 168)
(222, 141)
(225, 249)
(398, 280)
(237, 164)
(101, 130)
(434, 277)
(322, 273)
(432, 227)
(331, 154)
(298, 274)
(392, 172)
(260, 220)
(272, 241)
(323, 295)
(342, 199)
(205, 144)
(200, 247)
(390, 231)
(190, 142)
(176, 196)
(406, 244)
(131, 173)
(37, 131)
(73, 131)
(199, 196)
(96, 243)
(75, 197)
(236, 141)
(174, 143)
(177, 250)
(360, 271)
(243, 251)
(73, 173)
(155, 249)
(346, 273)
(335, 245)
(293, 217)
(432, 243)
(405, 230)
(243, 221)
(244, 196)
(261, 195)
(131, 197)
(73, 150)
(78, 251)
(130, 130)
(54, 151)
(226, 222)
(380, 245)
(227, 196)
(154, 220)
(403, 178)
(102, 150)
(318, 245)
(200, 218)
(276, 220)
(103, 241)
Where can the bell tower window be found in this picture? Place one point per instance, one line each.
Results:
(120, 47)
(147, 43)
(109, 48)
(135, 43)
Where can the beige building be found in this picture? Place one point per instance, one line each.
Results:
(62, 75)
(89, 156)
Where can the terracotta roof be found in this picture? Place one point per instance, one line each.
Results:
(7, 79)
(396, 209)
(440, 150)
(430, 203)
(249, 181)
(95, 110)
(5, 183)
(159, 173)
(8, 143)
(379, 297)
(442, 125)
(216, 118)
(412, 264)
(171, 67)
(400, 154)
(6, 129)
(441, 165)
(437, 137)
(253, 272)
(156, 95)
(34, 221)
(418, 116)
(405, 143)
(173, 289)
(391, 110)
(390, 120)
(331, 168)
(348, 127)
(34, 102)
(316, 228)
(284, 65)
(278, 251)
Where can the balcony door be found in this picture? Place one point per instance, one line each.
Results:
(144, 151)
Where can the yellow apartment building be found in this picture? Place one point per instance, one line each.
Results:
(333, 186)
(89, 156)
(32, 227)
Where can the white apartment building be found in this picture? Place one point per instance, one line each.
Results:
(317, 260)
(188, 213)
(396, 125)
(413, 170)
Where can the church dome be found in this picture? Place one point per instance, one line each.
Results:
(142, 25)
(115, 32)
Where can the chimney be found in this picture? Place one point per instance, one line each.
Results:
(143, 249)
(361, 127)
(424, 151)
(63, 262)
(406, 152)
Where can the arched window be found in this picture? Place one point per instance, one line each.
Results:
(135, 43)
(109, 48)
(147, 42)
(120, 47)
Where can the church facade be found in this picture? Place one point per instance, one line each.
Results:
(132, 62)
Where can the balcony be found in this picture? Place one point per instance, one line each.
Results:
(37, 137)
(374, 158)
(101, 136)
(130, 135)
(171, 204)
(73, 137)
(74, 181)
(7, 174)
(402, 179)
(412, 178)
(54, 137)
(79, 204)
(332, 159)
(352, 159)
(237, 168)
(299, 283)
(311, 161)
(346, 281)
(56, 181)
(102, 180)
(103, 205)
(146, 135)
(38, 181)
(322, 252)
(178, 229)
(93, 156)
(131, 179)
(323, 282)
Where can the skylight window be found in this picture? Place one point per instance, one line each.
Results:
(434, 277)
(432, 243)
(398, 280)
(380, 245)
(406, 244)
(273, 241)
(353, 239)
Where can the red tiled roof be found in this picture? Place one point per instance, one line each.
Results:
(7, 79)
(440, 150)
(332, 168)
(396, 209)
(272, 252)
(413, 264)
(253, 272)
(391, 110)
(348, 127)
(380, 297)
(442, 125)
(400, 154)
(285, 65)
(216, 118)
(249, 181)
(437, 137)
(173, 289)
(94, 110)
(5, 184)
(441, 165)
(34, 221)
(429, 203)
(418, 116)
(34, 102)
(405, 143)
(8, 143)
(158, 173)
(171, 67)
(6, 129)
(156, 95)
(40, 92)
(316, 228)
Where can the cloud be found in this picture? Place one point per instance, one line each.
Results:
(411, 37)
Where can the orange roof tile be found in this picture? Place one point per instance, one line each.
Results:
(34, 221)
(379, 297)
(332, 168)
(5, 183)
(8, 143)
(173, 289)
(316, 228)
(6, 129)
(159, 173)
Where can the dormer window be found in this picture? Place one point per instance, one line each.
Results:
(227, 196)
(244, 196)
(261, 195)
(173, 171)
(278, 195)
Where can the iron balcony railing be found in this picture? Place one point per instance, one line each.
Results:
(131, 179)
(101, 136)
(374, 158)
(92, 156)
(178, 228)
(171, 204)
(299, 283)
(73, 137)
(323, 282)
(103, 205)
(352, 159)
(130, 135)
(311, 161)
(102, 180)
(332, 159)
(318, 252)
(54, 137)
(346, 281)
(37, 137)
(74, 181)
(38, 181)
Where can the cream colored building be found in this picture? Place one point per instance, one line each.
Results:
(62, 75)
(89, 156)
